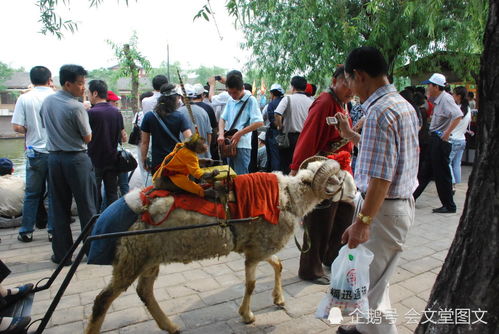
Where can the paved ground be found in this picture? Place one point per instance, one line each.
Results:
(203, 297)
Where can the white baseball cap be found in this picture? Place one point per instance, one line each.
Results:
(277, 87)
(199, 89)
(189, 90)
(436, 79)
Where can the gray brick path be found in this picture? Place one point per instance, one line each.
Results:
(204, 296)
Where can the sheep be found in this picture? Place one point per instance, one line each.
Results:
(140, 256)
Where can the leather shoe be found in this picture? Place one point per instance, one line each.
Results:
(53, 259)
(18, 325)
(444, 209)
(319, 280)
(347, 330)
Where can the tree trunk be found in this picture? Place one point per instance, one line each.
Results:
(469, 278)
(135, 92)
(134, 76)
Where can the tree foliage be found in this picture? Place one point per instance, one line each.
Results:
(5, 73)
(131, 61)
(109, 76)
(311, 37)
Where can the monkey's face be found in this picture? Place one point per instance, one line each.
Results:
(201, 147)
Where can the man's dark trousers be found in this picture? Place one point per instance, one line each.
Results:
(326, 225)
(70, 174)
(286, 154)
(110, 178)
(437, 165)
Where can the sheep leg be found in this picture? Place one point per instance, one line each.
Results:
(104, 300)
(244, 309)
(146, 294)
(277, 292)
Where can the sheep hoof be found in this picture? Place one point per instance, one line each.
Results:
(279, 303)
(249, 319)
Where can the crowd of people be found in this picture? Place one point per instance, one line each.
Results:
(378, 135)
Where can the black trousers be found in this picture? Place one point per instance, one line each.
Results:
(326, 225)
(110, 178)
(436, 166)
(286, 154)
(70, 174)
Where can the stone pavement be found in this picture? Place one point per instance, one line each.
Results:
(204, 296)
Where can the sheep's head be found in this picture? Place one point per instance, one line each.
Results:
(323, 175)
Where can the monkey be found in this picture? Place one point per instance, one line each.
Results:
(181, 165)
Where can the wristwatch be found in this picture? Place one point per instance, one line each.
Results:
(365, 219)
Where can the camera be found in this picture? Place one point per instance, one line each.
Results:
(218, 77)
(331, 120)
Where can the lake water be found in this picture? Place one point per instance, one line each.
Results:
(14, 148)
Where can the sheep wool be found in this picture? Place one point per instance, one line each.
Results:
(140, 256)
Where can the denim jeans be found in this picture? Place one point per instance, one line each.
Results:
(273, 159)
(456, 155)
(240, 162)
(36, 178)
(117, 217)
(70, 174)
(123, 183)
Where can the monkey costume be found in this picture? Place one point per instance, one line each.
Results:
(179, 164)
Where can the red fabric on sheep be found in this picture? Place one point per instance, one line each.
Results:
(257, 195)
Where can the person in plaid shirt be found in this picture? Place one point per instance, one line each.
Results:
(385, 173)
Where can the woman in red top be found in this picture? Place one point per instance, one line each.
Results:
(329, 220)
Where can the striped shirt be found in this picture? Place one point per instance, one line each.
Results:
(389, 148)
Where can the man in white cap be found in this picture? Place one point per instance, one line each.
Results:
(200, 117)
(446, 116)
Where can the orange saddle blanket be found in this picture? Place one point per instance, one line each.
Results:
(257, 195)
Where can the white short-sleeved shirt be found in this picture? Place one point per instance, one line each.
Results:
(27, 114)
(296, 113)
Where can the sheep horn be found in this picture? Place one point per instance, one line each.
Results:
(321, 177)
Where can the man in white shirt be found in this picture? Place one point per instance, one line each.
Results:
(26, 119)
(446, 116)
(290, 115)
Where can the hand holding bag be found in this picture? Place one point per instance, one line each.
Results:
(227, 149)
(349, 283)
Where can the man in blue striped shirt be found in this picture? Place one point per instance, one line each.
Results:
(386, 175)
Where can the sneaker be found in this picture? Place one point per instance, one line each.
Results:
(50, 236)
(25, 237)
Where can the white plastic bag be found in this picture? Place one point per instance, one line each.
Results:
(349, 284)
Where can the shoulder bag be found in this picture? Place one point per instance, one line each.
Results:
(125, 161)
(134, 138)
(282, 138)
(227, 149)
